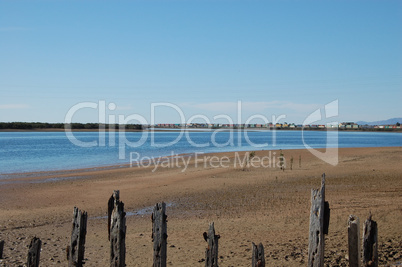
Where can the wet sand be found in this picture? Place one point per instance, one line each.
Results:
(255, 204)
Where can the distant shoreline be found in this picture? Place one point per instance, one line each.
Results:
(63, 130)
(103, 127)
(203, 129)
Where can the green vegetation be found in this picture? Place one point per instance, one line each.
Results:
(75, 126)
(30, 125)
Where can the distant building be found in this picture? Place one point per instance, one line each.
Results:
(348, 125)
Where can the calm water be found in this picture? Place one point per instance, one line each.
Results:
(44, 151)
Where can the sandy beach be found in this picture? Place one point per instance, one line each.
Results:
(254, 204)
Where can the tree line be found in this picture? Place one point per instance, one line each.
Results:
(82, 126)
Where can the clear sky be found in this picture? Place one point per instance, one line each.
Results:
(276, 57)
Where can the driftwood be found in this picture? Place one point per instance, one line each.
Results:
(258, 258)
(319, 224)
(117, 231)
(211, 253)
(370, 243)
(159, 235)
(77, 245)
(34, 252)
(354, 241)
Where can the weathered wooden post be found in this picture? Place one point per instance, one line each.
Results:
(159, 235)
(319, 224)
(77, 244)
(258, 258)
(211, 253)
(327, 212)
(1, 248)
(117, 231)
(299, 161)
(34, 252)
(110, 207)
(354, 241)
(370, 243)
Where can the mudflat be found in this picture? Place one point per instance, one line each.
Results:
(247, 204)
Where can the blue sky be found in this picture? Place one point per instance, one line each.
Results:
(276, 57)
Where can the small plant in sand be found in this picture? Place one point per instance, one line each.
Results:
(250, 156)
(291, 162)
(282, 161)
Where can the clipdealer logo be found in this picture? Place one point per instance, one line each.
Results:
(328, 111)
(200, 159)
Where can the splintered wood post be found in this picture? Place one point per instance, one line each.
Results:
(370, 243)
(1, 248)
(317, 228)
(211, 253)
(159, 235)
(354, 241)
(110, 207)
(77, 244)
(34, 252)
(327, 212)
(117, 232)
(258, 258)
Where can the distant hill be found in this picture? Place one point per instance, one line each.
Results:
(385, 122)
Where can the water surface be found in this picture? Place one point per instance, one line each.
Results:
(48, 151)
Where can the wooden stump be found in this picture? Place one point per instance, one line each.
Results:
(117, 232)
(77, 245)
(258, 258)
(370, 243)
(211, 253)
(354, 241)
(34, 252)
(159, 235)
(317, 226)
(1, 248)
